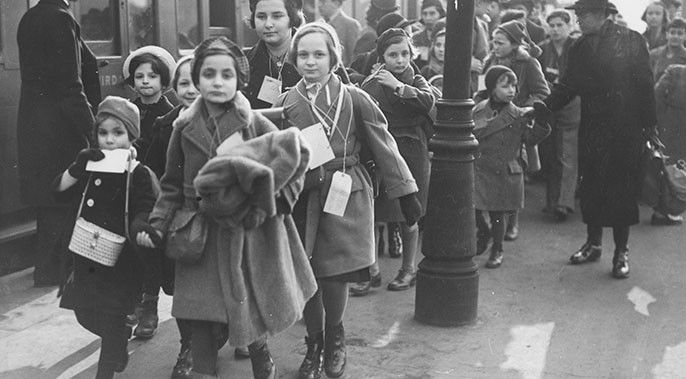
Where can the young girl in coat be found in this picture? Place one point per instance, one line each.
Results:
(148, 71)
(102, 296)
(406, 99)
(500, 127)
(214, 287)
(339, 241)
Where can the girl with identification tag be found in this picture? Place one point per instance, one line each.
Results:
(211, 289)
(274, 21)
(335, 217)
(406, 99)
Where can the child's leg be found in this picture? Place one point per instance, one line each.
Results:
(314, 314)
(497, 229)
(335, 299)
(410, 235)
(111, 328)
(204, 347)
(311, 367)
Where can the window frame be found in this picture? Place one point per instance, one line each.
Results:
(203, 23)
(121, 32)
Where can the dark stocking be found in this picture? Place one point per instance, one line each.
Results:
(335, 299)
(204, 347)
(621, 237)
(497, 229)
(112, 330)
(185, 331)
(595, 235)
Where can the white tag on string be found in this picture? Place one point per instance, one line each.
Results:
(234, 140)
(481, 83)
(115, 161)
(320, 148)
(270, 90)
(423, 52)
(339, 193)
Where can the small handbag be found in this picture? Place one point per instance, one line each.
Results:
(186, 236)
(95, 242)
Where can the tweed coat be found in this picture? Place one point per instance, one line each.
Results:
(498, 172)
(609, 70)
(339, 245)
(207, 289)
(659, 61)
(670, 99)
(54, 118)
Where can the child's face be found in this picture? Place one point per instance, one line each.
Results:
(676, 37)
(113, 135)
(502, 46)
(146, 82)
(654, 15)
(559, 29)
(218, 79)
(272, 23)
(313, 58)
(430, 15)
(505, 89)
(397, 57)
(439, 48)
(185, 89)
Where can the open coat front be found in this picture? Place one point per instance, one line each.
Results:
(255, 280)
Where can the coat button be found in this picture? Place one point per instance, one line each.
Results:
(90, 202)
(97, 182)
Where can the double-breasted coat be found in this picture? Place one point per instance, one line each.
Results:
(54, 118)
(609, 70)
(498, 172)
(339, 245)
(205, 290)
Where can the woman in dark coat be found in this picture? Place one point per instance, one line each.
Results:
(608, 68)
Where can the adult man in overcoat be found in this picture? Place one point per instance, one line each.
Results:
(608, 68)
(54, 122)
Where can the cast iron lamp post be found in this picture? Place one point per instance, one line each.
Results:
(448, 281)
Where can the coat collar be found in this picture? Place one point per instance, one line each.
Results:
(60, 3)
(488, 122)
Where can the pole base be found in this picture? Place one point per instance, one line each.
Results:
(446, 299)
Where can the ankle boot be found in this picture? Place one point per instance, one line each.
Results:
(495, 259)
(147, 322)
(262, 363)
(311, 368)
(620, 264)
(334, 350)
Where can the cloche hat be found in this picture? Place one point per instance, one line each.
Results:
(592, 4)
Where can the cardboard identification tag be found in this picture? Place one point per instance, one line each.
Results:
(234, 140)
(481, 83)
(423, 52)
(320, 149)
(115, 161)
(339, 193)
(270, 90)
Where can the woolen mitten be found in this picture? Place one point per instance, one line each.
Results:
(138, 225)
(411, 208)
(78, 168)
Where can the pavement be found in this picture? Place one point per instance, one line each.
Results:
(538, 317)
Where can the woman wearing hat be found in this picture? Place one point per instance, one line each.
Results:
(432, 11)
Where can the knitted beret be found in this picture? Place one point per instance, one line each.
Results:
(391, 20)
(221, 45)
(162, 54)
(123, 110)
(493, 74)
(385, 5)
(382, 42)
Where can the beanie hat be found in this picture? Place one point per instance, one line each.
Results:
(181, 62)
(438, 29)
(385, 5)
(123, 110)
(434, 3)
(321, 27)
(391, 20)
(221, 46)
(516, 32)
(383, 41)
(156, 51)
(493, 74)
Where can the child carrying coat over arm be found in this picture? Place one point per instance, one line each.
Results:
(500, 127)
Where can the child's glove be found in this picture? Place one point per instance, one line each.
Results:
(411, 208)
(139, 226)
(78, 168)
(254, 218)
(541, 112)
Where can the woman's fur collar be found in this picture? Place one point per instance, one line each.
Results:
(240, 105)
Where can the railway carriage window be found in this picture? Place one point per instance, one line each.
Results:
(141, 23)
(0, 33)
(100, 26)
(187, 21)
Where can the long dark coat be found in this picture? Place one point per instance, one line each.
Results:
(259, 58)
(609, 70)
(97, 287)
(670, 98)
(54, 119)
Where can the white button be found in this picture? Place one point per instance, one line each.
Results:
(97, 182)
(90, 202)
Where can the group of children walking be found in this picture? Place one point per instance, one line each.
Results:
(265, 225)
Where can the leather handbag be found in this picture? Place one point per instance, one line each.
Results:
(95, 242)
(186, 237)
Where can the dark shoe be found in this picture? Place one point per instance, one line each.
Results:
(121, 366)
(482, 239)
(512, 233)
(495, 259)
(133, 318)
(620, 264)
(659, 219)
(560, 214)
(360, 289)
(334, 351)
(311, 368)
(403, 281)
(241, 352)
(262, 363)
(184, 364)
(147, 321)
(587, 253)
(376, 280)
(395, 241)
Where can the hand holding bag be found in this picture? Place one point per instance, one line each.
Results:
(186, 236)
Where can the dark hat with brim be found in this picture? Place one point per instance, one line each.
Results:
(592, 4)
(392, 20)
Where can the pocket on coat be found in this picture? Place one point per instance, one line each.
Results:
(187, 236)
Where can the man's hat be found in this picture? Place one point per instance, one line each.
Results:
(385, 5)
(592, 4)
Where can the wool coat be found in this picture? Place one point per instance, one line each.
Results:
(659, 60)
(498, 172)
(348, 30)
(260, 66)
(609, 70)
(92, 286)
(150, 113)
(156, 155)
(54, 118)
(670, 98)
(339, 245)
(531, 83)
(409, 121)
(366, 42)
(208, 289)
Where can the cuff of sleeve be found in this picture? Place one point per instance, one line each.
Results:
(403, 188)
